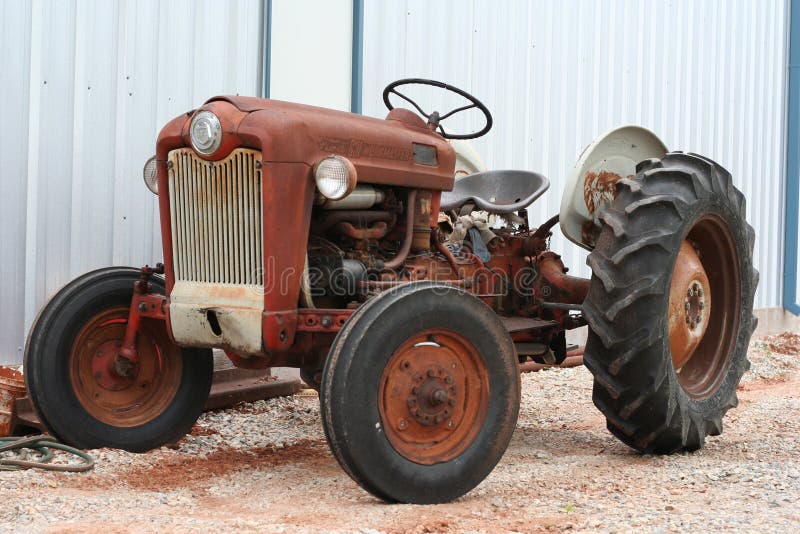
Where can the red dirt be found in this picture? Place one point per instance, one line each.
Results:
(198, 430)
(189, 472)
(785, 343)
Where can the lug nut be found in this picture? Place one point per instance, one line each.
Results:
(449, 424)
(402, 424)
(690, 293)
(702, 305)
(449, 379)
(687, 306)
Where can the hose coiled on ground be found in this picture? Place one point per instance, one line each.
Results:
(44, 445)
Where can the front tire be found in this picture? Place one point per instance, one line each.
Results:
(76, 393)
(670, 304)
(420, 394)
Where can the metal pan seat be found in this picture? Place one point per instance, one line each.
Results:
(496, 191)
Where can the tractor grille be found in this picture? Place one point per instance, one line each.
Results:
(216, 217)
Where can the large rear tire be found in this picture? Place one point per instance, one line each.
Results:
(420, 394)
(74, 388)
(670, 304)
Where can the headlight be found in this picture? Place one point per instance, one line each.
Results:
(205, 132)
(150, 173)
(335, 177)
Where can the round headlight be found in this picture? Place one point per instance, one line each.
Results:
(336, 177)
(150, 173)
(205, 132)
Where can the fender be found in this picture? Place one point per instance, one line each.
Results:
(592, 184)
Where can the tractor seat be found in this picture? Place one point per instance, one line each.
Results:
(496, 191)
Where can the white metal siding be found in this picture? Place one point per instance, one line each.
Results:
(86, 85)
(707, 77)
(311, 52)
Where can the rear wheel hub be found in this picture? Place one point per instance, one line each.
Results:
(689, 305)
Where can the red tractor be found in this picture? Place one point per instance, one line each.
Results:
(343, 245)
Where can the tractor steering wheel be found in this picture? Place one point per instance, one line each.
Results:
(434, 118)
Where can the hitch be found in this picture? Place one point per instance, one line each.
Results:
(143, 304)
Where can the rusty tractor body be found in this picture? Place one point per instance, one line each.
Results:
(345, 246)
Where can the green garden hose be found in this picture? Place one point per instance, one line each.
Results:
(44, 446)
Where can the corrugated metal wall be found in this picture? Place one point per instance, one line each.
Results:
(85, 86)
(708, 77)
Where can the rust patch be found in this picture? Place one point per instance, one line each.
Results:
(599, 188)
(589, 233)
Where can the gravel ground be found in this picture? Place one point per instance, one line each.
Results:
(265, 467)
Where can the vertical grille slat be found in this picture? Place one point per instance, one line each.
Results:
(216, 218)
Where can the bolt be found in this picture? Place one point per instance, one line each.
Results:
(702, 305)
(142, 307)
(453, 365)
(693, 324)
(326, 321)
(402, 424)
(687, 306)
(438, 419)
(439, 396)
(449, 424)
(699, 318)
(452, 402)
(449, 379)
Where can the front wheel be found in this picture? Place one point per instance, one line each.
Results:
(670, 307)
(72, 382)
(420, 394)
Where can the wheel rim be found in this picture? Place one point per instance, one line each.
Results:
(434, 396)
(703, 333)
(116, 400)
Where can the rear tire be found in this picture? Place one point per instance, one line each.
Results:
(85, 321)
(654, 399)
(420, 394)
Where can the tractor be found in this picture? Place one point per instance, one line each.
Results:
(406, 290)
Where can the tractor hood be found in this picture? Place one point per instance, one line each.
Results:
(399, 150)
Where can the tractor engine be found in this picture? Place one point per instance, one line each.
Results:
(381, 237)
